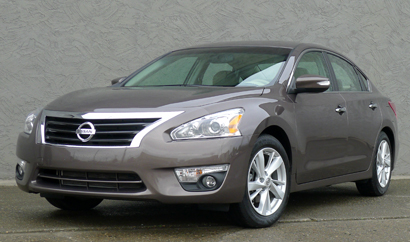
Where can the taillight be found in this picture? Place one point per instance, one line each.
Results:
(393, 107)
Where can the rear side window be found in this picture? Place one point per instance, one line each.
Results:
(346, 76)
(364, 81)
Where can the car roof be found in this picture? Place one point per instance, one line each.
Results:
(273, 44)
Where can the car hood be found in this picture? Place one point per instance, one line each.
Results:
(167, 98)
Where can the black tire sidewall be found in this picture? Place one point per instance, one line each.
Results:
(379, 190)
(252, 218)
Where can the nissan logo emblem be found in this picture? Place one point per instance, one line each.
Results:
(85, 133)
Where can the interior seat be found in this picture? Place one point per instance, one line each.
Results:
(225, 78)
(300, 72)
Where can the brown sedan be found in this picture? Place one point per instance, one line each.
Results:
(235, 125)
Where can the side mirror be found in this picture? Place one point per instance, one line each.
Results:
(312, 83)
(117, 80)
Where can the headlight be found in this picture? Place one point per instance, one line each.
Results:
(222, 124)
(29, 124)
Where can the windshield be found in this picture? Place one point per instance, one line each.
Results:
(247, 67)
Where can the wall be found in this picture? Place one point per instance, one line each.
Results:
(49, 48)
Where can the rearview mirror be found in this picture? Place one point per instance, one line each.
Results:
(117, 80)
(312, 83)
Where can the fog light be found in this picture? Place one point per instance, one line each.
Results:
(192, 174)
(20, 169)
(209, 181)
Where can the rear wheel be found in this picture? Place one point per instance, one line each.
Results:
(268, 185)
(381, 173)
(73, 203)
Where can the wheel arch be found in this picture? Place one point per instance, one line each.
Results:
(283, 138)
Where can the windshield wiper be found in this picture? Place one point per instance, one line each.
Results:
(197, 85)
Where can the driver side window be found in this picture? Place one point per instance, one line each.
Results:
(312, 63)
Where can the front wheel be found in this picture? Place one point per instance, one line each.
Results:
(268, 185)
(73, 203)
(381, 173)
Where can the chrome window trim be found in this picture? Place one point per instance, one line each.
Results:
(136, 142)
(296, 62)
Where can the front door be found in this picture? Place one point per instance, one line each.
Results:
(322, 136)
(321, 130)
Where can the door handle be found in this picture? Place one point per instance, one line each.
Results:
(340, 109)
(373, 106)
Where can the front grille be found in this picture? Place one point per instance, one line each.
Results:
(90, 181)
(108, 132)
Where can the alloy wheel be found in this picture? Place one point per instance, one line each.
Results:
(267, 181)
(383, 163)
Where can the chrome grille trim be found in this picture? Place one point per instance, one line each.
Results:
(108, 132)
(85, 180)
(160, 117)
(90, 181)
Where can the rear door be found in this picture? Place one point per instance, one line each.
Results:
(321, 131)
(363, 113)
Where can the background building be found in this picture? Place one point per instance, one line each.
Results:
(49, 48)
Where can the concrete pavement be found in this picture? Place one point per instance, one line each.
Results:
(335, 213)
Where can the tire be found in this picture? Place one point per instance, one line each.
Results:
(381, 169)
(73, 203)
(266, 194)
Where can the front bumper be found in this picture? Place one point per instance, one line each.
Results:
(154, 162)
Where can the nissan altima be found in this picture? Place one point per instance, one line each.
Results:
(235, 126)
